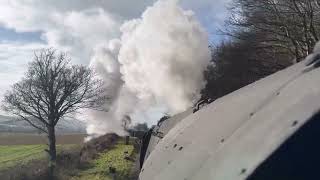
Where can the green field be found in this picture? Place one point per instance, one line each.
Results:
(19, 154)
(22, 154)
(32, 157)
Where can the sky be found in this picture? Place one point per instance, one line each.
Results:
(77, 27)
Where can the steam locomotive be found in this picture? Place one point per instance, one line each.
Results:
(268, 130)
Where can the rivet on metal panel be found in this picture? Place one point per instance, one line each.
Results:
(294, 123)
(180, 148)
(243, 171)
(175, 145)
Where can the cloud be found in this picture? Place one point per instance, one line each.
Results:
(211, 13)
(78, 25)
(13, 57)
(84, 28)
(73, 26)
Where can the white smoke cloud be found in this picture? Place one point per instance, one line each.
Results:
(158, 62)
(154, 67)
(163, 55)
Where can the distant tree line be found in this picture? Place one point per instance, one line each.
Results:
(264, 36)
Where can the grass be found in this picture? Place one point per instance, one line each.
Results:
(30, 162)
(13, 155)
(98, 169)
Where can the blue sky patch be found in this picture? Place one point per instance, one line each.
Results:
(12, 35)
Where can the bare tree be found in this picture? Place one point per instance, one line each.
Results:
(286, 25)
(264, 36)
(239, 62)
(50, 90)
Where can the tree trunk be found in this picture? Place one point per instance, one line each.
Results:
(52, 151)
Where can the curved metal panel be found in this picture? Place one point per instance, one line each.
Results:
(230, 137)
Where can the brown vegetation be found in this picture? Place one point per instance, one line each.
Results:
(91, 149)
(30, 139)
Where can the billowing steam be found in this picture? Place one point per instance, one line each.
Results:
(157, 63)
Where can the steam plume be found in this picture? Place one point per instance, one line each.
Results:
(157, 63)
